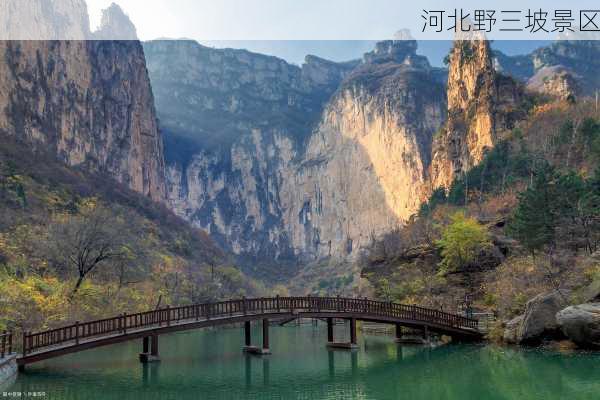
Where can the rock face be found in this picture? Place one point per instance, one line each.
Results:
(90, 102)
(115, 25)
(539, 321)
(301, 163)
(579, 58)
(305, 163)
(481, 103)
(364, 170)
(44, 19)
(556, 81)
(237, 123)
(581, 324)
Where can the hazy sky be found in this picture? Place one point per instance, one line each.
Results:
(359, 22)
(306, 19)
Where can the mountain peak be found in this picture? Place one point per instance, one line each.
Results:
(401, 50)
(115, 25)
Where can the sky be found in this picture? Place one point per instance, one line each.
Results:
(268, 26)
(309, 19)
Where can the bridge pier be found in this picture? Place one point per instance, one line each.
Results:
(264, 350)
(247, 334)
(398, 333)
(152, 355)
(352, 345)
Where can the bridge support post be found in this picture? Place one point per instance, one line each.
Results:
(261, 351)
(342, 345)
(398, 333)
(247, 334)
(265, 326)
(149, 349)
(353, 331)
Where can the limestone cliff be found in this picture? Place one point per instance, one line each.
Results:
(481, 103)
(282, 162)
(44, 19)
(89, 101)
(364, 170)
(236, 123)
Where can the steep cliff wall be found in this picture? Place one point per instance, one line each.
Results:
(44, 19)
(236, 123)
(264, 158)
(364, 170)
(89, 101)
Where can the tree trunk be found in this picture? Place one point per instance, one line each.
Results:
(77, 285)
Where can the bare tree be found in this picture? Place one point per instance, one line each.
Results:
(87, 241)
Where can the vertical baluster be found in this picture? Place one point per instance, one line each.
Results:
(3, 350)
(24, 342)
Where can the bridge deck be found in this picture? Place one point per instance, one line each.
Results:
(82, 336)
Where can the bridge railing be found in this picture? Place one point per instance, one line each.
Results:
(173, 315)
(6, 344)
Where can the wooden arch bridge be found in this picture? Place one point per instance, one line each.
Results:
(149, 325)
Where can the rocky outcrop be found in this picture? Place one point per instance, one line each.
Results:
(556, 81)
(88, 101)
(481, 104)
(539, 320)
(564, 68)
(580, 58)
(115, 25)
(581, 324)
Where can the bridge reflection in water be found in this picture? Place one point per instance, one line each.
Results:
(257, 372)
(148, 326)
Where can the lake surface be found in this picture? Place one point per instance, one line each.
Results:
(209, 364)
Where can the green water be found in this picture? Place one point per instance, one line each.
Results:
(210, 365)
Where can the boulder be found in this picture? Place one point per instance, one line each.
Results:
(511, 329)
(581, 324)
(539, 320)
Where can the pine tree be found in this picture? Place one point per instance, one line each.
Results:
(533, 222)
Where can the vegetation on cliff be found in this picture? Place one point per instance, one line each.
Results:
(75, 246)
(536, 194)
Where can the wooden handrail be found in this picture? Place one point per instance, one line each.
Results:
(6, 342)
(229, 308)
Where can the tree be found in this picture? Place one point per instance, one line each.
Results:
(589, 213)
(462, 241)
(94, 238)
(533, 221)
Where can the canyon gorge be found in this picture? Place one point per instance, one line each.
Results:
(277, 162)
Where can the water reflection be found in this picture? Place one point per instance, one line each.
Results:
(211, 365)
